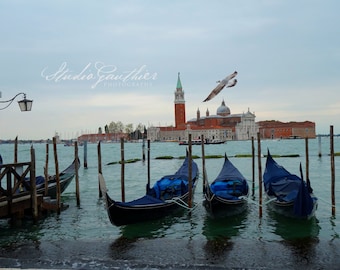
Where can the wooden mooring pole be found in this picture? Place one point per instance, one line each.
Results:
(57, 175)
(143, 149)
(307, 159)
(77, 173)
(260, 173)
(319, 142)
(332, 169)
(190, 173)
(253, 166)
(99, 152)
(149, 175)
(16, 150)
(46, 170)
(122, 179)
(85, 154)
(33, 187)
(203, 164)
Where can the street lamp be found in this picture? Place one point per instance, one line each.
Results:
(24, 104)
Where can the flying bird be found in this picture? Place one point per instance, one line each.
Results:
(226, 82)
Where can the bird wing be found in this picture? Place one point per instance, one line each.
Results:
(215, 92)
(231, 76)
(221, 85)
(233, 83)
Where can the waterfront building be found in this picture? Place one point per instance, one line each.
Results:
(222, 126)
(104, 137)
(286, 130)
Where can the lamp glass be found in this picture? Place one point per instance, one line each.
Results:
(25, 105)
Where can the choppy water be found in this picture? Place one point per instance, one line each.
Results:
(83, 237)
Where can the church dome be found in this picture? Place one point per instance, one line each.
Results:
(223, 110)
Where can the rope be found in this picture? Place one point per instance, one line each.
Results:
(211, 198)
(179, 202)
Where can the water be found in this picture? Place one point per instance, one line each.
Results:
(83, 237)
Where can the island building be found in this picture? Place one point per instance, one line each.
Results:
(272, 129)
(222, 126)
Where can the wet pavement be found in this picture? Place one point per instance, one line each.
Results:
(160, 253)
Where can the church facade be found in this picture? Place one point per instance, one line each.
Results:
(222, 126)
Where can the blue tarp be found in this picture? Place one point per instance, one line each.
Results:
(230, 183)
(287, 187)
(175, 185)
(171, 186)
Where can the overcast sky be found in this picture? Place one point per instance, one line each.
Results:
(87, 63)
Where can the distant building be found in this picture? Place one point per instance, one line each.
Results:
(290, 130)
(105, 137)
(222, 126)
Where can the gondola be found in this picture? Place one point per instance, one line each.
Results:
(65, 178)
(169, 193)
(227, 195)
(288, 194)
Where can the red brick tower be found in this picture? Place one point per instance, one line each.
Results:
(179, 106)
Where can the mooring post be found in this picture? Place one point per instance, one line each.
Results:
(190, 173)
(99, 152)
(253, 166)
(319, 140)
(203, 164)
(46, 170)
(85, 154)
(57, 175)
(149, 175)
(143, 149)
(77, 174)
(16, 158)
(33, 187)
(307, 159)
(332, 169)
(16, 149)
(122, 181)
(260, 173)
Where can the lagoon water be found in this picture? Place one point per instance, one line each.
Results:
(83, 237)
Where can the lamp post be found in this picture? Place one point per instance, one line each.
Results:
(24, 104)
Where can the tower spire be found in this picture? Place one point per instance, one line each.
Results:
(179, 94)
(179, 84)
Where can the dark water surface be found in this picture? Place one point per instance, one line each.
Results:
(162, 253)
(83, 238)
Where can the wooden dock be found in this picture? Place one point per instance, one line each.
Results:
(18, 197)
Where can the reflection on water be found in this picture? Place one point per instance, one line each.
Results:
(303, 249)
(299, 236)
(335, 235)
(27, 231)
(295, 229)
(218, 232)
(226, 227)
(152, 228)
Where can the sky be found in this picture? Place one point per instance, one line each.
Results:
(88, 63)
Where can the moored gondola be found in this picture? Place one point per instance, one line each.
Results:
(168, 194)
(227, 195)
(288, 194)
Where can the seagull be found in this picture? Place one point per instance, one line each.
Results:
(221, 85)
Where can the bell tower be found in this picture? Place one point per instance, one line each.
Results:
(179, 105)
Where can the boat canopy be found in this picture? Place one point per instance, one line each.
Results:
(287, 187)
(230, 183)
